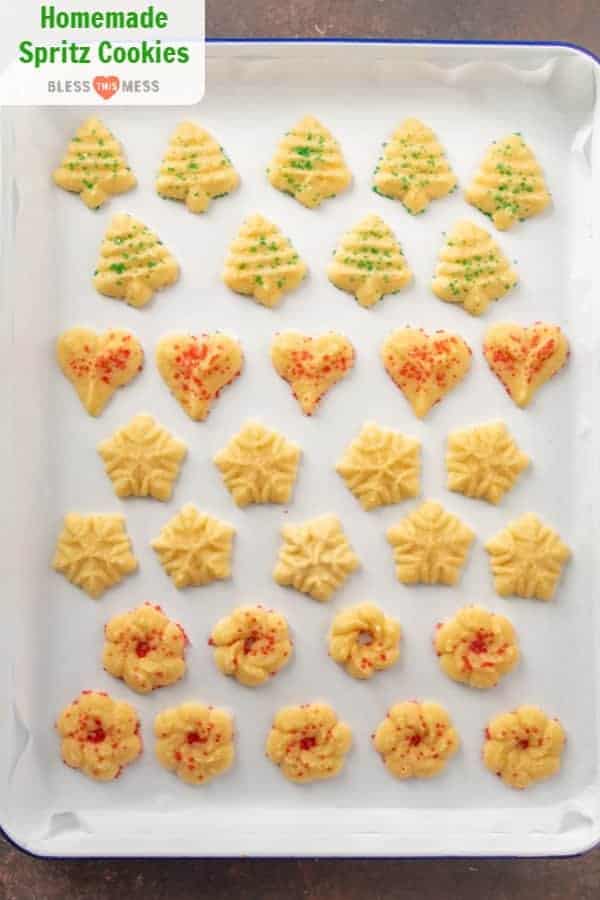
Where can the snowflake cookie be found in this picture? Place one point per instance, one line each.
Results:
(416, 740)
(98, 364)
(252, 644)
(369, 262)
(194, 741)
(94, 166)
(311, 365)
(99, 735)
(315, 557)
(262, 263)
(309, 164)
(259, 465)
(364, 640)
(484, 462)
(430, 545)
(525, 358)
(142, 459)
(381, 466)
(195, 169)
(509, 186)
(94, 552)
(195, 549)
(145, 648)
(476, 647)
(523, 746)
(413, 168)
(526, 558)
(308, 742)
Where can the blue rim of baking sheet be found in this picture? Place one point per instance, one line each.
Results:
(420, 42)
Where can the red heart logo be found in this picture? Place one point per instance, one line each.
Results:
(106, 85)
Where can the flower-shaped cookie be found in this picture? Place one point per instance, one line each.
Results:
(195, 549)
(430, 545)
(194, 741)
(252, 644)
(526, 558)
(308, 742)
(99, 735)
(315, 557)
(364, 640)
(381, 466)
(484, 462)
(94, 552)
(416, 740)
(523, 746)
(144, 648)
(259, 465)
(476, 647)
(142, 459)
(311, 365)
(525, 358)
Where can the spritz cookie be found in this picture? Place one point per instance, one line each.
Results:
(308, 742)
(94, 552)
(309, 164)
(525, 358)
(194, 548)
(523, 746)
(144, 648)
(416, 740)
(99, 735)
(194, 741)
(94, 165)
(364, 640)
(477, 647)
(311, 365)
(98, 364)
(484, 462)
(252, 644)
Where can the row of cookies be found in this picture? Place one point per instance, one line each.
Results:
(100, 736)
(424, 367)
(429, 546)
(309, 165)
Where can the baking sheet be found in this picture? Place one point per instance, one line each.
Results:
(52, 632)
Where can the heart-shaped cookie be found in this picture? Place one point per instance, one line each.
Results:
(98, 364)
(195, 369)
(525, 358)
(311, 365)
(425, 367)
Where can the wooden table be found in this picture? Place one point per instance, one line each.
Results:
(25, 878)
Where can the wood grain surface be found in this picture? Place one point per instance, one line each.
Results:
(25, 878)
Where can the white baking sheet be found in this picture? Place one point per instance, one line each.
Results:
(52, 632)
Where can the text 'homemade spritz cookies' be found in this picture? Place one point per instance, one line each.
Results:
(309, 164)
(430, 545)
(381, 466)
(413, 168)
(476, 647)
(195, 169)
(308, 742)
(194, 741)
(98, 364)
(311, 365)
(94, 552)
(252, 644)
(416, 740)
(99, 735)
(133, 262)
(525, 358)
(509, 185)
(364, 640)
(484, 462)
(196, 369)
(527, 558)
(262, 263)
(523, 746)
(369, 262)
(259, 465)
(425, 367)
(94, 166)
(194, 548)
(145, 648)
(315, 557)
